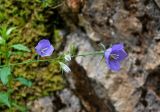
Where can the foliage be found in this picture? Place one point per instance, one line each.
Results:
(22, 24)
(4, 99)
(24, 81)
(20, 47)
(4, 73)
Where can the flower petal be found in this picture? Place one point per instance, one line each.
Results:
(44, 48)
(121, 54)
(48, 52)
(107, 55)
(38, 52)
(114, 65)
(42, 44)
(119, 46)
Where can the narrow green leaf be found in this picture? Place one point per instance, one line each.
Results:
(4, 99)
(4, 73)
(2, 41)
(102, 46)
(24, 81)
(72, 49)
(67, 57)
(3, 30)
(65, 67)
(8, 32)
(21, 47)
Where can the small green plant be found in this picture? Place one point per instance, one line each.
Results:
(6, 77)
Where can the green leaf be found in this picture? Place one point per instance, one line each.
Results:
(8, 32)
(4, 73)
(102, 46)
(21, 47)
(24, 81)
(65, 67)
(72, 49)
(2, 41)
(4, 99)
(67, 57)
(3, 30)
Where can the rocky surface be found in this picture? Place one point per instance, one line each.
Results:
(64, 101)
(107, 84)
(94, 88)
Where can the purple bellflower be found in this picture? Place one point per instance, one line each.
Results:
(114, 55)
(44, 48)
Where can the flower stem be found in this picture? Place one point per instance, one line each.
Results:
(7, 59)
(27, 62)
(45, 60)
(90, 53)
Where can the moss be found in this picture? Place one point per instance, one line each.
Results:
(33, 21)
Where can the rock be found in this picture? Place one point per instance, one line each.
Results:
(153, 60)
(110, 19)
(134, 22)
(88, 28)
(149, 103)
(83, 86)
(72, 102)
(130, 79)
(84, 90)
(98, 14)
(106, 83)
(43, 105)
(158, 3)
(126, 25)
(62, 101)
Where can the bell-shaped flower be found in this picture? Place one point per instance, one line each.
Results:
(44, 48)
(114, 55)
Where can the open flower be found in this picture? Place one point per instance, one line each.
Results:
(44, 48)
(114, 55)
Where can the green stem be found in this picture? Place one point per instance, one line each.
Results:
(27, 62)
(7, 65)
(45, 60)
(90, 53)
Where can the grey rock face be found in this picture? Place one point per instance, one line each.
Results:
(70, 100)
(134, 22)
(43, 105)
(106, 83)
(135, 88)
(63, 101)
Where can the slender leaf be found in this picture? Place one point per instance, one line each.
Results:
(21, 47)
(102, 46)
(72, 49)
(65, 67)
(2, 41)
(8, 32)
(67, 57)
(24, 81)
(4, 99)
(3, 30)
(4, 73)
